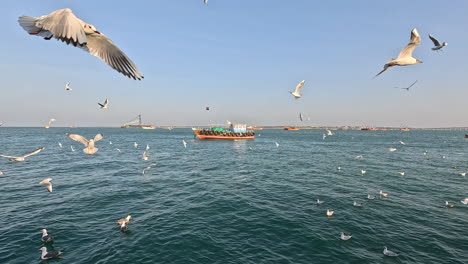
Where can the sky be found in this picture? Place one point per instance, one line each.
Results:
(240, 58)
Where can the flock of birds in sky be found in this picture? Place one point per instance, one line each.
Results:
(63, 25)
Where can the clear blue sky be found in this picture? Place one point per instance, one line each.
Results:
(240, 57)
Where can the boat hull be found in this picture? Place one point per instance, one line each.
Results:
(201, 135)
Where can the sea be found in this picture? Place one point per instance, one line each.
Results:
(244, 201)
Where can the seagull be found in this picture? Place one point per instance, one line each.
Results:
(403, 143)
(406, 54)
(90, 149)
(450, 205)
(123, 223)
(462, 174)
(104, 105)
(135, 145)
(363, 171)
(324, 136)
(392, 149)
(296, 92)
(1, 173)
(464, 201)
(356, 204)
(425, 153)
(46, 238)
(147, 168)
(359, 157)
(329, 133)
(145, 156)
(370, 197)
(389, 253)
(22, 158)
(407, 88)
(402, 173)
(205, 1)
(384, 194)
(185, 143)
(319, 202)
(60, 144)
(72, 149)
(118, 150)
(110, 142)
(344, 236)
(300, 117)
(339, 168)
(437, 44)
(67, 87)
(47, 183)
(52, 254)
(63, 25)
(330, 212)
(147, 147)
(277, 145)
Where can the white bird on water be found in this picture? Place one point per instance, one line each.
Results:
(135, 145)
(389, 253)
(330, 212)
(329, 132)
(402, 173)
(104, 105)
(462, 174)
(68, 87)
(145, 156)
(46, 238)
(147, 168)
(437, 45)
(110, 142)
(384, 194)
(22, 158)
(47, 183)
(363, 172)
(123, 223)
(324, 136)
(403, 143)
(297, 91)
(319, 202)
(392, 149)
(344, 236)
(90, 149)
(185, 143)
(464, 201)
(48, 255)
(356, 204)
(147, 147)
(118, 150)
(359, 157)
(450, 205)
(60, 144)
(370, 197)
(406, 54)
(63, 25)
(277, 145)
(72, 149)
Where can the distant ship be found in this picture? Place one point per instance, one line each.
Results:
(136, 123)
(235, 131)
(369, 128)
(291, 128)
(405, 129)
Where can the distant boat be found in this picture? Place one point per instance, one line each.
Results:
(466, 135)
(235, 131)
(136, 123)
(291, 128)
(369, 128)
(405, 129)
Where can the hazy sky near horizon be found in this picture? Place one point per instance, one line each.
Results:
(240, 58)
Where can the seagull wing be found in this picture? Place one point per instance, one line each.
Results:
(386, 67)
(78, 138)
(102, 47)
(407, 51)
(300, 116)
(299, 86)
(34, 152)
(106, 102)
(101, 105)
(434, 40)
(61, 24)
(412, 84)
(9, 157)
(98, 137)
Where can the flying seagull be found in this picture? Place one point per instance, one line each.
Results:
(72, 149)
(90, 149)
(185, 143)
(344, 236)
(67, 87)
(48, 255)
(296, 92)
(329, 133)
(63, 25)
(205, 1)
(47, 183)
(406, 54)
(300, 117)
(104, 105)
(22, 158)
(147, 168)
(46, 238)
(437, 44)
(277, 144)
(60, 144)
(145, 156)
(147, 147)
(389, 253)
(407, 88)
(135, 145)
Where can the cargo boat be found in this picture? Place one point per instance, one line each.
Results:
(291, 128)
(235, 131)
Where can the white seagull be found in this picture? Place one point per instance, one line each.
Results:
(296, 92)
(185, 143)
(72, 149)
(406, 54)
(384, 194)
(450, 205)
(135, 145)
(403, 143)
(123, 223)
(464, 201)
(359, 157)
(110, 142)
(344, 236)
(356, 204)
(90, 149)
(277, 145)
(22, 158)
(370, 197)
(47, 183)
(118, 150)
(437, 44)
(392, 149)
(46, 237)
(48, 255)
(68, 87)
(389, 253)
(324, 136)
(104, 105)
(63, 25)
(147, 168)
(319, 202)
(462, 174)
(60, 144)
(402, 173)
(329, 133)
(205, 1)
(145, 156)
(147, 147)
(330, 212)
(363, 172)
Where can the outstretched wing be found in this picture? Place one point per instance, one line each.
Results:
(61, 24)
(98, 137)
(102, 47)
(78, 138)
(34, 152)
(8, 157)
(386, 67)
(407, 51)
(435, 41)
(299, 86)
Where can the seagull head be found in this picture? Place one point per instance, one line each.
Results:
(43, 249)
(90, 29)
(444, 44)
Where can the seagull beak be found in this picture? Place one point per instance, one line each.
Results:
(97, 32)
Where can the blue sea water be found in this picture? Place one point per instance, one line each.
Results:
(235, 201)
